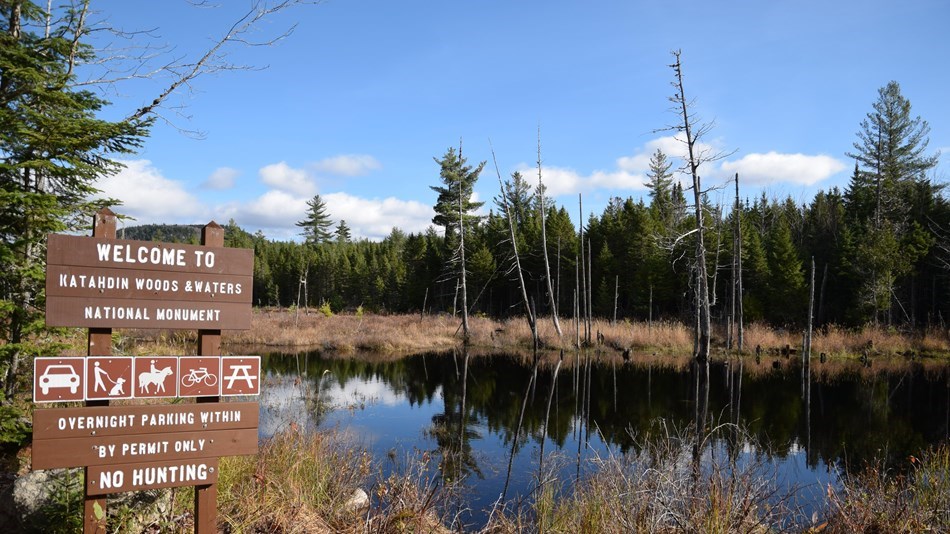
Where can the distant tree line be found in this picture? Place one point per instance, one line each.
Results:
(880, 247)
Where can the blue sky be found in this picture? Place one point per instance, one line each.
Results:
(355, 104)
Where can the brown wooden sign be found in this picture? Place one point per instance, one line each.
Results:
(96, 312)
(57, 423)
(103, 480)
(73, 281)
(125, 377)
(172, 446)
(102, 283)
(114, 283)
(58, 379)
(240, 375)
(83, 251)
(108, 377)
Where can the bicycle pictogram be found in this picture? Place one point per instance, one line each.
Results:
(199, 375)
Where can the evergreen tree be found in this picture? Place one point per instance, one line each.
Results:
(342, 232)
(890, 154)
(458, 181)
(884, 197)
(786, 302)
(660, 183)
(53, 150)
(517, 192)
(317, 225)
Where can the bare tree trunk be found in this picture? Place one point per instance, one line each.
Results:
(738, 317)
(462, 271)
(650, 311)
(701, 348)
(583, 285)
(544, 245)
(590, 294)
(557, 286)
(616, 293)
(811, 313)
(532, 323)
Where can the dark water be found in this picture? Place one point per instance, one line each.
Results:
(809, 425)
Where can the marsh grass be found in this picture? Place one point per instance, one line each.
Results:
(298, 482)
(673, 483)
(406, 334)
(877, 499)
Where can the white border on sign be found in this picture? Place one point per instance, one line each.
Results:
(181, 376)
(130, 384)
(258, 377)
(82, 381)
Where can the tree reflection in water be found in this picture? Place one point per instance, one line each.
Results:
(482, 412)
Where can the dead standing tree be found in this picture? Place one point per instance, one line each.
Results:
(532, 321)
(692, 131)
(544, 245)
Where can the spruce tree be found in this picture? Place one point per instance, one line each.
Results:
(54, 148)
(883, 197)
(317, 225)
(342, 232)
(660, 183)
(786, 301)
(458, 181)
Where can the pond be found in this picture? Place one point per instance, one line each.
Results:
(807, 423)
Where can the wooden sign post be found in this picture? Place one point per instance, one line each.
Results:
(209, 344)
(103, 283)
(99, 343)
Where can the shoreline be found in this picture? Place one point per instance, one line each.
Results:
(408, 334)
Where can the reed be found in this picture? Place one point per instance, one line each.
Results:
(665, 487)
(876, 499)
(298, 482)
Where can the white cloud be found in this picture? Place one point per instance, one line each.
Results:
(287, 179)
(222, 178)
(564, 181)
(674, 146)
(275, 210)
(348, 165)
(618, 180)
(772, 167)
(150, 197)
(276, 213)
(375, 218)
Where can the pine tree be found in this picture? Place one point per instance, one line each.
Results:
(458, 181)
(317, 225)
(53, 148)
(890, 154)
(786, 301)
(342, 232)
(883, 197)
(660, 183)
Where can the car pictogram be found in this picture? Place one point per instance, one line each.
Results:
(59, 376)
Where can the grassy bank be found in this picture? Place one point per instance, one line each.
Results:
(405, 334)
(316, 483)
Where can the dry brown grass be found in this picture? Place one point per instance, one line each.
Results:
(298, 482)
(659, 489)
(407, 334)
(348, 333)
(404, 334)
(881, 500)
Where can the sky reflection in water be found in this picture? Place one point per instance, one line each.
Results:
(806, 424)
